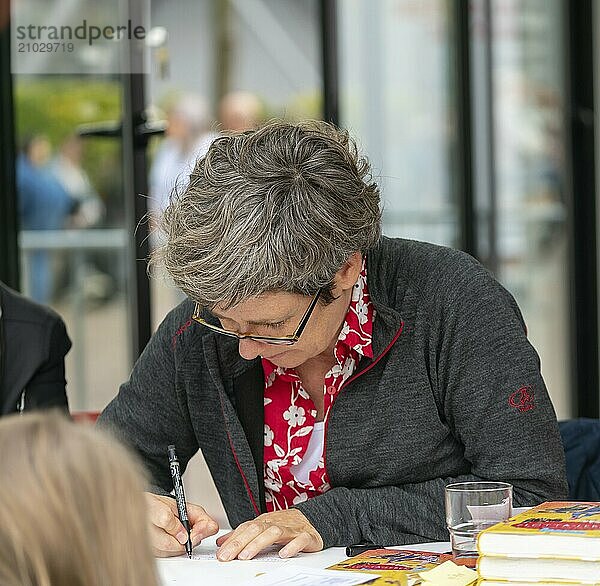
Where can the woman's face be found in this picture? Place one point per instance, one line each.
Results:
(279, 313)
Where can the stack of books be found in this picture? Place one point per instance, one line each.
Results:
(553, 543)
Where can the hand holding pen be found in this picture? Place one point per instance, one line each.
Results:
(167, 533)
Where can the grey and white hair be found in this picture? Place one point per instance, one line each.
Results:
(280, 208)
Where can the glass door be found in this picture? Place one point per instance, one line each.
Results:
(519, 84)
(397, 95)
(75, 71)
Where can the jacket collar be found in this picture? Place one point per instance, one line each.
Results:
(386, 295)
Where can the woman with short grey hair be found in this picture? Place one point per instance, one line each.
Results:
(334, 379)
(257, 203)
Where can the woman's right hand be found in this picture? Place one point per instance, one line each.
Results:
(167, 534)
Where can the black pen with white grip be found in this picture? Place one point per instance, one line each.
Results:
(180, 496)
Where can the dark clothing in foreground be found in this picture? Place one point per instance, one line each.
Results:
(581, 440)
(453, 393)
(33, 345)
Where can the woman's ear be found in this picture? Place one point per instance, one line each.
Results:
(347, 276)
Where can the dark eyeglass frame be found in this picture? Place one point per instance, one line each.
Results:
(275, 340)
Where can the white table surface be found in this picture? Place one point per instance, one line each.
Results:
(182, 571)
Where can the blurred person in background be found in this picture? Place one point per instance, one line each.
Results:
(240, 111)
(67, 168)
(89, 212)
(33, 346)
(62, 487)
(44, 204)
(188, 136)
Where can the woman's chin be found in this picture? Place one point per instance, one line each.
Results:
(285, 359)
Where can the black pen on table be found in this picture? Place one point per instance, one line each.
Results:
(180, 496)
(352, 550)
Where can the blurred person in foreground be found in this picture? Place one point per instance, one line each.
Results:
(33, 346)
(335, 380)
(63, 486)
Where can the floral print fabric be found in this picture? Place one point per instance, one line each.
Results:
(290, 412)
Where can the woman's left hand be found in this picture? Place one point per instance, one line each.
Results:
(289, 527)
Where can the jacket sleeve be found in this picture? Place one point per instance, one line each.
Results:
(150, 410)
(47, 387)
(490, 391)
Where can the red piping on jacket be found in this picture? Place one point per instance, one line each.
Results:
(237, 462)
(355, 376)
(387, 349)
(248, 490)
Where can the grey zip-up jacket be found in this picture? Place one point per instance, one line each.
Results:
(453, 393)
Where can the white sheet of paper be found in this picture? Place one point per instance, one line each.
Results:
(263, 556)
(208, 552)
(293, 575)
(185, 572)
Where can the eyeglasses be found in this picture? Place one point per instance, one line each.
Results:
(276, 340)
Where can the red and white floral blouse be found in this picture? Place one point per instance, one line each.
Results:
(290, 413)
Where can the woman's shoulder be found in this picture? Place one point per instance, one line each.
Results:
(425, 267)
(420, 254)
(18, 308)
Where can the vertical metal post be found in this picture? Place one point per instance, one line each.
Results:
(9, 252)
(492, 207)
(463, 170)
(329, 47)
(136, 187)
(222, 12)
(582, 181)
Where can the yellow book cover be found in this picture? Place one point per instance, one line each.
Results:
(395, 567)
(567, 530)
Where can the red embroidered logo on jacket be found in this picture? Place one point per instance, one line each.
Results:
(523, 399)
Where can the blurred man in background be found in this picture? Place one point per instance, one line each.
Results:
(44, 204)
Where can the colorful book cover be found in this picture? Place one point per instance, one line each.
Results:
(562, 529)
(395, 567)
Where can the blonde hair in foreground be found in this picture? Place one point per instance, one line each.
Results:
(72, 512)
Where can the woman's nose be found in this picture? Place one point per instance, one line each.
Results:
(249, 349)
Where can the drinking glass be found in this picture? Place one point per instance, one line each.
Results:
(472, 507)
